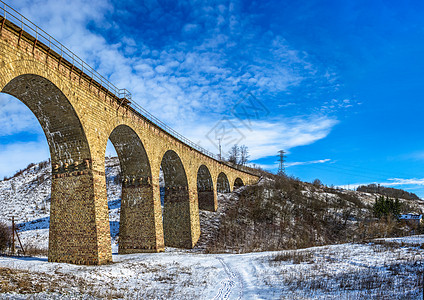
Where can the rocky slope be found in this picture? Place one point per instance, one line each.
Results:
(26, 196)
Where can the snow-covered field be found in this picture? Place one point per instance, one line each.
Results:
(27, 198)
(383, 269)
(348, 271)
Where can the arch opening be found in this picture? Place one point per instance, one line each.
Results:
(205, 192)
(238, 182)
(56, 115)
(136, 218)
(176, 207)
(72, 210)
(222, 184)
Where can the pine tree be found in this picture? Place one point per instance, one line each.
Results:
(385, 206)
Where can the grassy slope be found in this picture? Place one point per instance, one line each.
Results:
(285, 213)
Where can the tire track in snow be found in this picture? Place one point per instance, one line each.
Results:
(228, 284)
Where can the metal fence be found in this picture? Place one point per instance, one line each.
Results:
(40, 35)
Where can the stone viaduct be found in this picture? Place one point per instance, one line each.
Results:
(78, 115)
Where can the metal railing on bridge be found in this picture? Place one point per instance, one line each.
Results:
(25, 25)
(10, 14)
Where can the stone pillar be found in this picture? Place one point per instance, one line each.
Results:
(138, 228)
(79, 221)
(176, 218)
(207, 200)
(194, 217)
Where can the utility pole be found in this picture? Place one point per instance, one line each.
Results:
(13, 235)
(281, 169)
(15, 231)
(219, 143)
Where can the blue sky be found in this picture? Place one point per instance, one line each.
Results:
(336, 84)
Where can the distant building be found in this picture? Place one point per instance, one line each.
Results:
(412, 218)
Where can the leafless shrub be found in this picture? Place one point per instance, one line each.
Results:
(285, 213)
(34, 250)
(317, 183)
(5, 236)
(296, 257)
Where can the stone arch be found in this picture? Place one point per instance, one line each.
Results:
(137, 226)
(205, 191)
(176, 208)
(56, 115)
(76, 234)
(222, 183)
(238, 182)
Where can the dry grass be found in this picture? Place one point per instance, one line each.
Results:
(295, 257)
(285, 213)
(20, 282)
(34, 250)
(399, 277)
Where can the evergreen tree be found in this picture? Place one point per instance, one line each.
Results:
(385, 206)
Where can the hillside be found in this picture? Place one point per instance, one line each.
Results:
(277, 213)
(285, 213)
(387, 191)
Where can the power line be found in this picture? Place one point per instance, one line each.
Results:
(379, 172)
(355, 171)
(352, 173)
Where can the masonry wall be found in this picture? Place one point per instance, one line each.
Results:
(79, 231)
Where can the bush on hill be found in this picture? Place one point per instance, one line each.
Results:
(5, 236)
(286, 213)
(387, 191)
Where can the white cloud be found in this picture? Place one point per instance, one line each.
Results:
(19, 155)
(188, 84)
(301, 163)
(264, 138)
(16, 117)
(185, 78)
(291, 164)
(391, 182)
(403, 181)
(335, 105)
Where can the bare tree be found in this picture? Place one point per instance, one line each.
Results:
(244, 155)
(5, 236)
(233, 154)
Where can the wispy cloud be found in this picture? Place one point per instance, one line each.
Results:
(301, 163)
(403, 181)
(184, 68)
(19, 155)
(15, 117)
(291, 164)
(335, 105)
(188, 69)
(408, 183)
(263, 138)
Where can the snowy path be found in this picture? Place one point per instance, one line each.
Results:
(345, 271)
(229, 285)
(244, 277)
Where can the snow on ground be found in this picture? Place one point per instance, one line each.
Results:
(412, 240)
(385, 268)
(27, 198)
(210, 221)
(346, 271)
